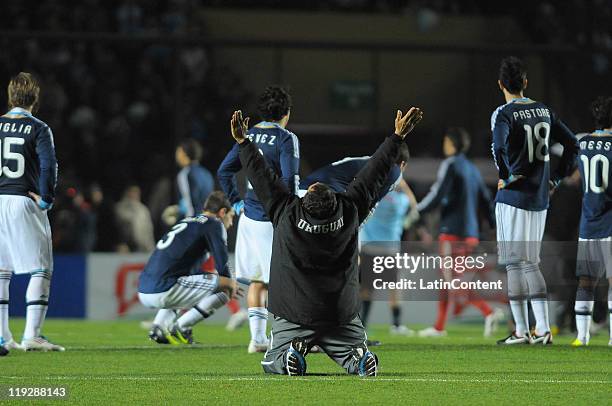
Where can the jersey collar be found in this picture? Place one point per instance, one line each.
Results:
(602, 132)
(18, 111)
(520, 100)
(268, 124)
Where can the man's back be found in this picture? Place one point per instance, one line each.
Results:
(594, 163)
(314, 277)
(280, 149)
(460, 215)
(460, 192)
(522, 132)
(338, 175)
(182, 251)
(26, 148)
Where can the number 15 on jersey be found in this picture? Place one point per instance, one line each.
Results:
(6, 155)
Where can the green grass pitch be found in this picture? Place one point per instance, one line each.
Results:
(114, 363)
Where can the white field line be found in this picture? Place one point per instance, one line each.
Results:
(148, 347)
(306, 379)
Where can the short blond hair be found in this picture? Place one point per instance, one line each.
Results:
(23, 90)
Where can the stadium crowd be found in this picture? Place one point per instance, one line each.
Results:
(109, 133)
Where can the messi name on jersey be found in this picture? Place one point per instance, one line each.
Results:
(591, 145)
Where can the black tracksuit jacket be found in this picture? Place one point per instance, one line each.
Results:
(314, 273)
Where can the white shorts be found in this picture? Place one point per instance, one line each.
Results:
(186, 292)
(254, 249)
(25, 236)
(519, 234)
(594, 258)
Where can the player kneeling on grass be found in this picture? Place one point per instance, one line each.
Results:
(314, 274)
(172, 279)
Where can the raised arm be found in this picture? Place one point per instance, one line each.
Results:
(562, 134)
(269, 188)
(226, 174)
(364, 189)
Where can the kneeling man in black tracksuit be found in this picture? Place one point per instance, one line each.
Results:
(314, 273)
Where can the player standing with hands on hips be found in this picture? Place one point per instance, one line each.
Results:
(522, 129)
(28, 176)
(314, 274)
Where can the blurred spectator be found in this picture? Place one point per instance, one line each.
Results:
(134, 221)
(194, 181)
(116, 103)
(105, 221)
(74, 224)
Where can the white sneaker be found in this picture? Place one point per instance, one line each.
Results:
(254, 346)
(401, 330)
(610, 342)
(432, 332)
(13, 345)
(236, 320)
(513, 339)
(40, 344)
(492, 321)
(545, 339)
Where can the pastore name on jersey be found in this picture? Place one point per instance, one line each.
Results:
(530, 113)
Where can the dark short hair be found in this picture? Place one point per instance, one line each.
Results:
(274, 103)
(602, 112)
(404, 154)
(512, 74)
(192, 149)
(217, 201)
(320, 202)
(459, 137)
(23, 90)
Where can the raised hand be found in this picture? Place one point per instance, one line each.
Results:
(405, 123)
(239, 126)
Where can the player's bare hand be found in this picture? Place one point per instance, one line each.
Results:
(238, 293)
(35, 197)
(239, 126)
(503, 183)
(404, 123)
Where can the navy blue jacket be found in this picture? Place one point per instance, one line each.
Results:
(182, 251)
(460, 191)
(195, 184)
